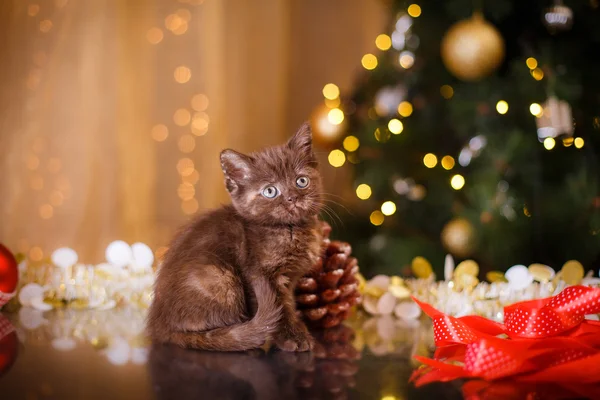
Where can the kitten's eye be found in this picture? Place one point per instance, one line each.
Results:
(270, 192)
(302, 182)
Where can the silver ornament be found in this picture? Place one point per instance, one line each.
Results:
(558, 17)
(556, 119)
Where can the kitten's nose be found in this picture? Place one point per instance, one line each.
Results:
(291, 198)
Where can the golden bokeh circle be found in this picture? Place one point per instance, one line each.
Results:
(186, 143)
(199, 102)
(159, 132)
(472, 48)
(182, 74)
(182, 117)
(154, 35)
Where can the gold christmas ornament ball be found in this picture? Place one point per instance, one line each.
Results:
(328, 125)
(458, 237)
(472, 48)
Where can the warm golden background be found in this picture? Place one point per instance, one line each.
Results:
(113, 112)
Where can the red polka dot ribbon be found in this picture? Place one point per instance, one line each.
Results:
(547, 340)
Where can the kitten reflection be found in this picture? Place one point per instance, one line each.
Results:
(190, 374)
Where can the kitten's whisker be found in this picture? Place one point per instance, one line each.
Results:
(333, 195)
(339, 205)
(336, 202)
(333, 220)
(331, 212)
(318, 207)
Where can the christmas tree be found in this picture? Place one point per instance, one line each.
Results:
(473, 130)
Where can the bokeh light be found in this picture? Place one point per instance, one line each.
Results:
(405, 109)
(159, 132)
(331, 91)
(189, 206)
(549, 143)
(336, 158)
(186, 191)
(182, 117)
(185, 166)
(414, 10)
(200, 123)
(537, 74)
(174, 22)
(154, 35)
(447, 92)
(182, 74)
(448, 162)
(199, 102)
(382, 135)
(579, 142)
(191, 178)
(363, 191)
(335, 116)
(369, 61)
(502, 107)
(395, 126)
(388, 208)
(186, 143)
(430, 160)
(417, 193)
(531, 63)
(406, 59)
(33, 10)
(351, 143)
(45, 26)
(36, 253)
(376, 218)
(184, 14)
(457, 182)
(46, 211)
(536, 109)
(383, 42)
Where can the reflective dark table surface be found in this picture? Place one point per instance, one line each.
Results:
(71, 354)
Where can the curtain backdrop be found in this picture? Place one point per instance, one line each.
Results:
(113, 112)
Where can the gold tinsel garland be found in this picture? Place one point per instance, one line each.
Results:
(62, 281)
(461, 293)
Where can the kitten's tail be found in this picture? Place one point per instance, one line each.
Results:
(245, 336)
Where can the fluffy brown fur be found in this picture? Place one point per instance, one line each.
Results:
(227, 280)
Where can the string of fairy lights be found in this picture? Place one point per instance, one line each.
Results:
(333, 120)
(50, 186)
(190, 122)
(47, 178)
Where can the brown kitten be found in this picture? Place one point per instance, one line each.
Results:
(227, 280)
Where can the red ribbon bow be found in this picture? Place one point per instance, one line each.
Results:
(547, 340)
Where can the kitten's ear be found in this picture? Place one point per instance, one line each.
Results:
(302, 142)
(236, 167)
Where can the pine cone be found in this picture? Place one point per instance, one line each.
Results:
(325, 295)
(334, 365)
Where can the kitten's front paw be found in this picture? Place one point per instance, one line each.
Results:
(294, 340)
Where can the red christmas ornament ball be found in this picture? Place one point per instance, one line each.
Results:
(9, 345)
(9, 273)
